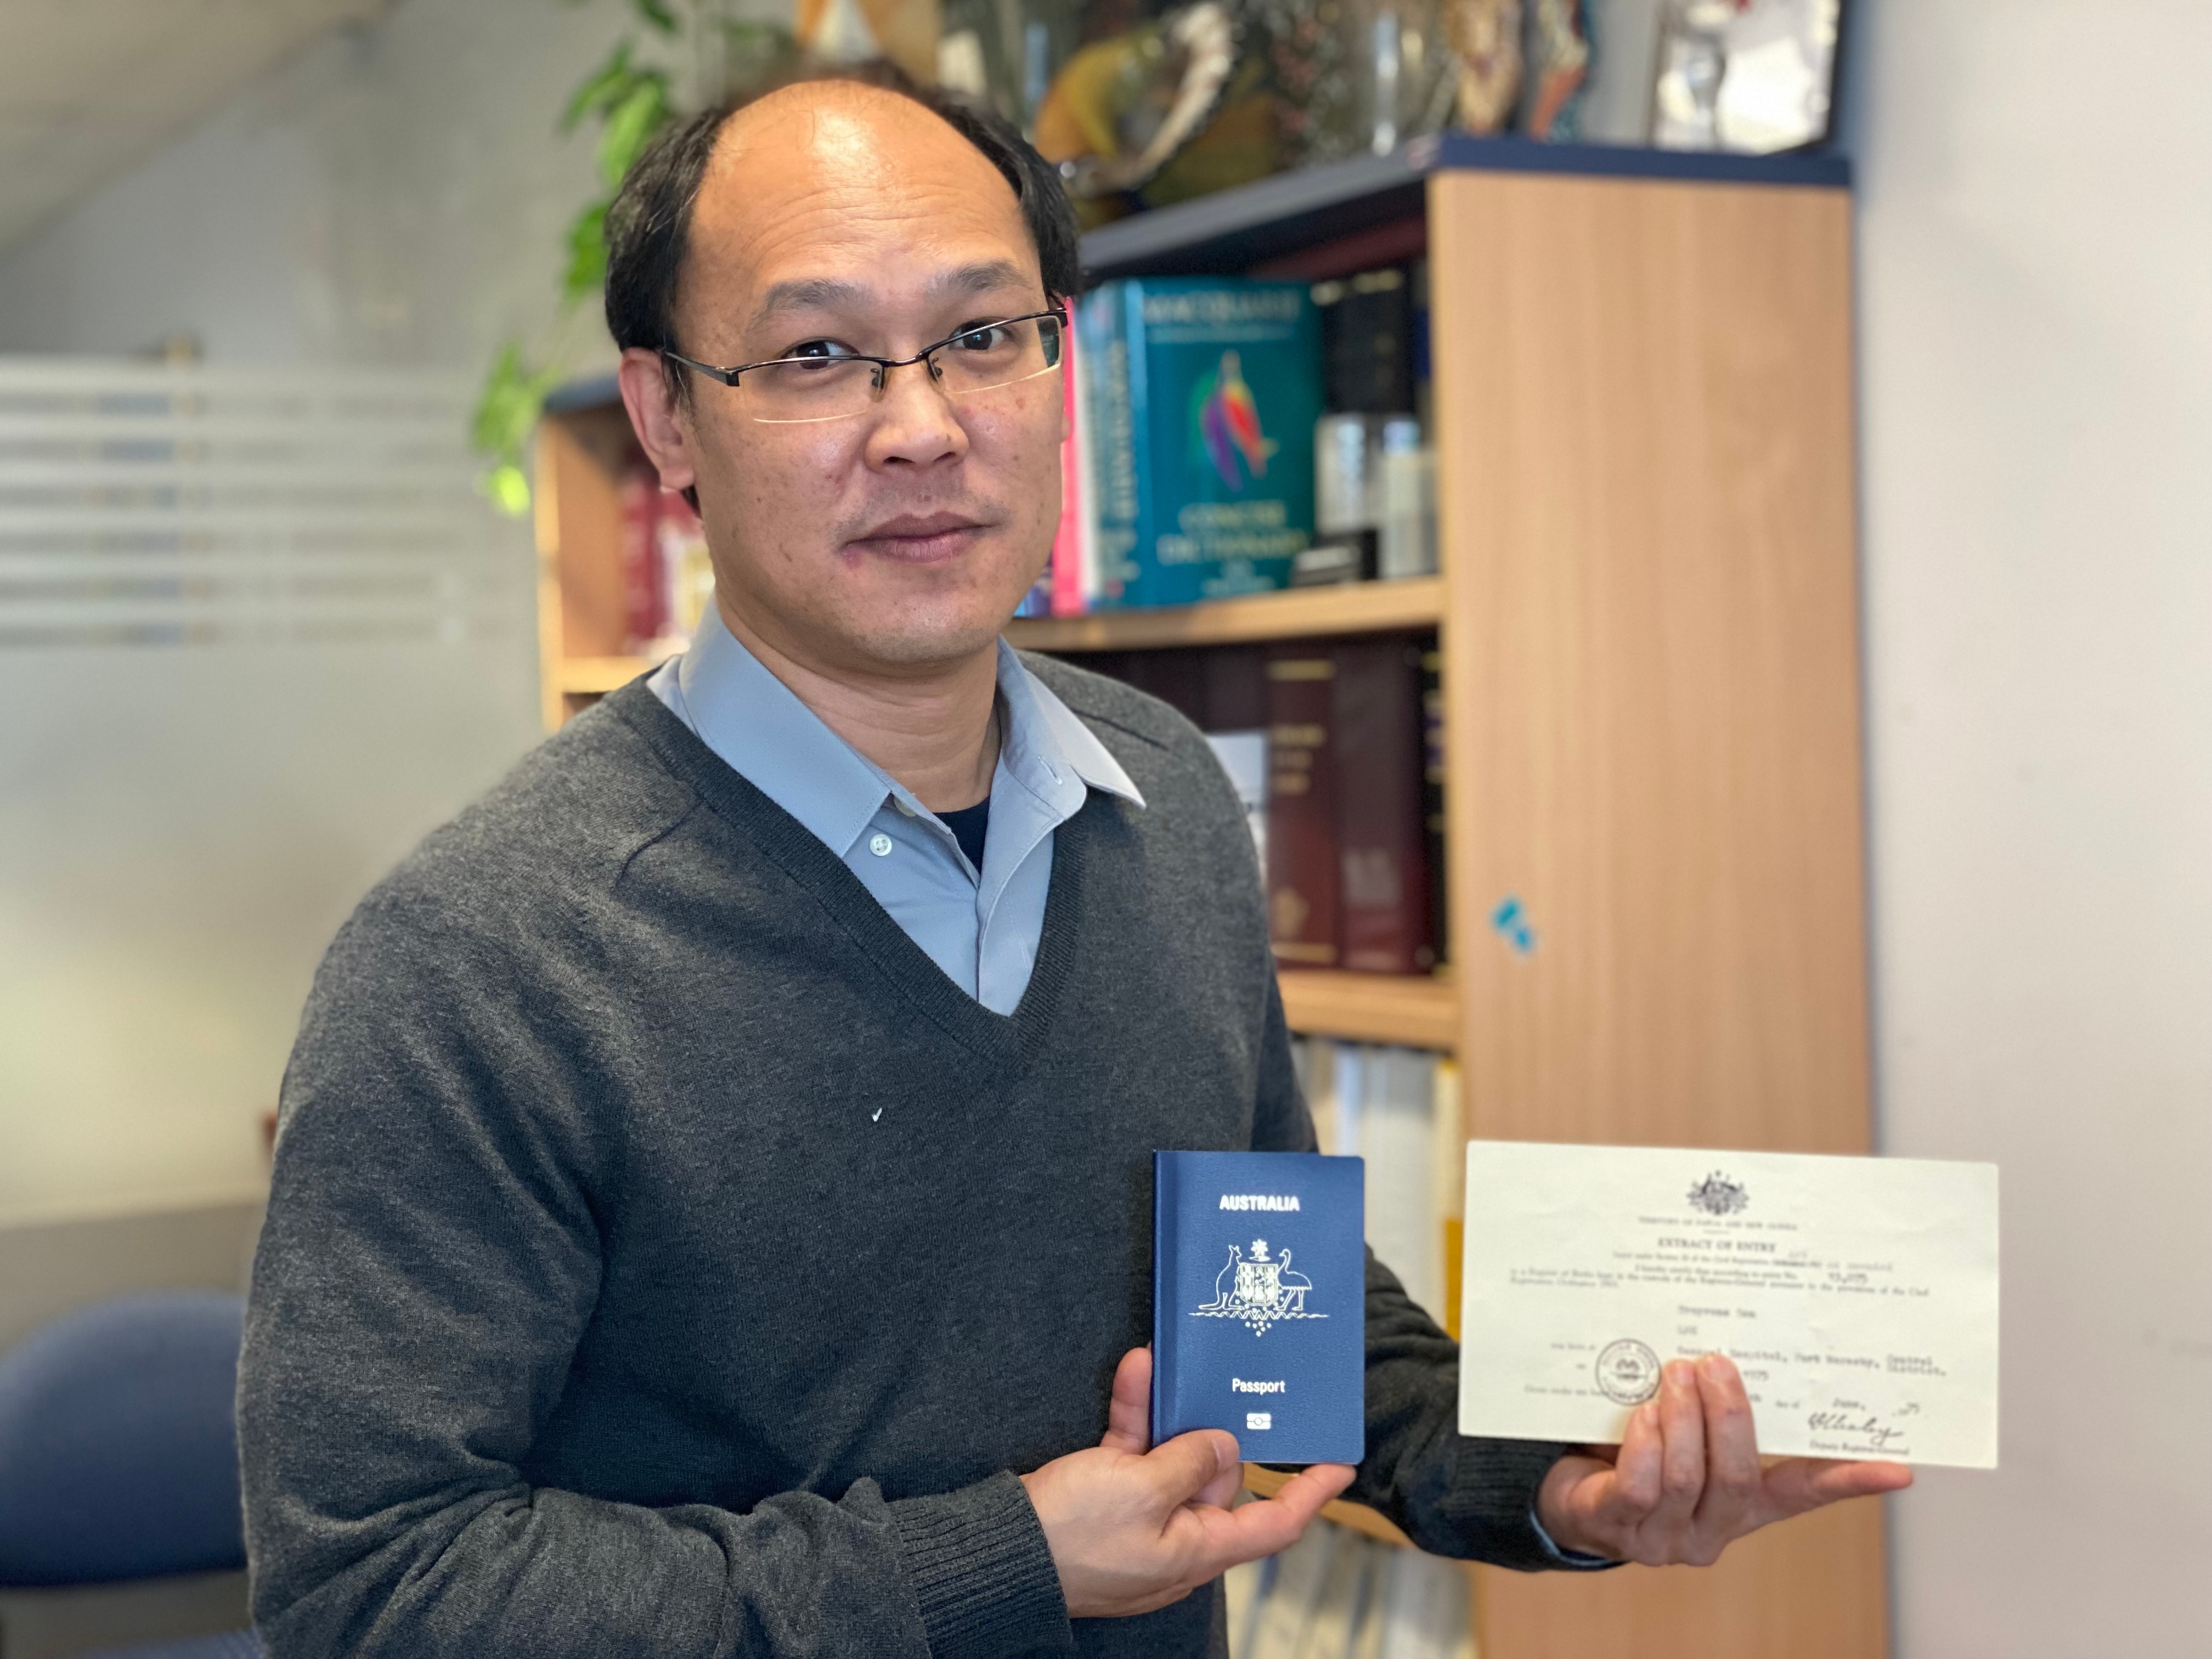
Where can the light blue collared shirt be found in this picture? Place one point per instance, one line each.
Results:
(982, 928)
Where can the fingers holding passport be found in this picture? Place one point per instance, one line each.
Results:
(1132, 1526)
(1268, 1525)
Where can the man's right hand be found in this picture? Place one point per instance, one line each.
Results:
(1135, 1526)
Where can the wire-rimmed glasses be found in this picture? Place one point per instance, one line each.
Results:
(786, 391)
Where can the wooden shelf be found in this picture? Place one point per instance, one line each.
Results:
(1266, 1483)
(1235, 229)
(588, 676)
(1417, 1012)
(1294, 613)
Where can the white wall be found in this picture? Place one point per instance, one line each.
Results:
(257, 634)
(182, 828)
(2036, 262)
(395, 193)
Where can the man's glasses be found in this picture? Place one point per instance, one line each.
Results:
(837, 386)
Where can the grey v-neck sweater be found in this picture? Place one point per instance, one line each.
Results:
(665, 1258)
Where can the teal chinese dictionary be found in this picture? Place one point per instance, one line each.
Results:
(1203, 396)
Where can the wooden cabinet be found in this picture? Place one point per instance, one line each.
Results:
(1650, 639)
(1648, 618)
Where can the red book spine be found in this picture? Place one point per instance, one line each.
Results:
(1382, 829)
(644, 593)
(687, 581)
(1301, 788)
(1065, 574)
(1432, 796)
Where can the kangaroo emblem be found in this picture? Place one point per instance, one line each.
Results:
(1259, 1289)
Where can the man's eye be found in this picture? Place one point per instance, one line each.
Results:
(980, 336)
(821, 348)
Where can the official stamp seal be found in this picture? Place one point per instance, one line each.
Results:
(1628, 1372)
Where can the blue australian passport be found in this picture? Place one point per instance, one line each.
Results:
(1259, 1302)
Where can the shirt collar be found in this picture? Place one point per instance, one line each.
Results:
(1040, 727)
(757, 725)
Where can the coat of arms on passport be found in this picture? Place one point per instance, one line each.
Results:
(1259, 1289)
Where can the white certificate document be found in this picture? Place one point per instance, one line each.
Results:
(1857, 1295)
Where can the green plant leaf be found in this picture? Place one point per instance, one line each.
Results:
(508, 408)
(507, 487)
(656, 13)
(606, 87)
(487, 426)
(632, 125)
(587, 255)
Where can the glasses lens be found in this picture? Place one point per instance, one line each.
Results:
(810, 389)
(996, 355)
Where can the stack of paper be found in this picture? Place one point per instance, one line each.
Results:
(1423, 1609)
(1286, 1612)
(1336, 1595)
(1399, 1109)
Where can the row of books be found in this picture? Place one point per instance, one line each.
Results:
(1337, 747)
(1337, 1594)
(667, 580)
(1400, 1110)
(1229, 435)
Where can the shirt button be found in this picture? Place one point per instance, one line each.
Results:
(905, 811)
(880, 845)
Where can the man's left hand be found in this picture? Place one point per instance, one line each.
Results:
(1686, 1481)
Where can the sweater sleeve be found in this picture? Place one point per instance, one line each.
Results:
(429, 1263)
(1453, 1495)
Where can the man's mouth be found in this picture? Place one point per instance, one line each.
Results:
(920, 537)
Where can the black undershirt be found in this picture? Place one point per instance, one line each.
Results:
(968, 826)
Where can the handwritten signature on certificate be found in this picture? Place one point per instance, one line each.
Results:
(1858, 1296)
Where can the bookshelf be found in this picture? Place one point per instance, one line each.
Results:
(1419, 1011)
(1648, 621)
(1295, 613)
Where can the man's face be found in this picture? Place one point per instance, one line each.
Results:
(833, 218)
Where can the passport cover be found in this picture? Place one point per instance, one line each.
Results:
(1259, 1302)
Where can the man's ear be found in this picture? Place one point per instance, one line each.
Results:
(662, 425)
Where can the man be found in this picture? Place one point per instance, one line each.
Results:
(712, 1212)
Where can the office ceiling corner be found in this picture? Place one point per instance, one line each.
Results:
(89, 86)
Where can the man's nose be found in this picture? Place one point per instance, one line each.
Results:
(913, 421)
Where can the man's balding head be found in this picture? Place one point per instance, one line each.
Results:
(649, 226)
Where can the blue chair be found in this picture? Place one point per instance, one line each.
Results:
(231, 1644)
(118, 1450)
